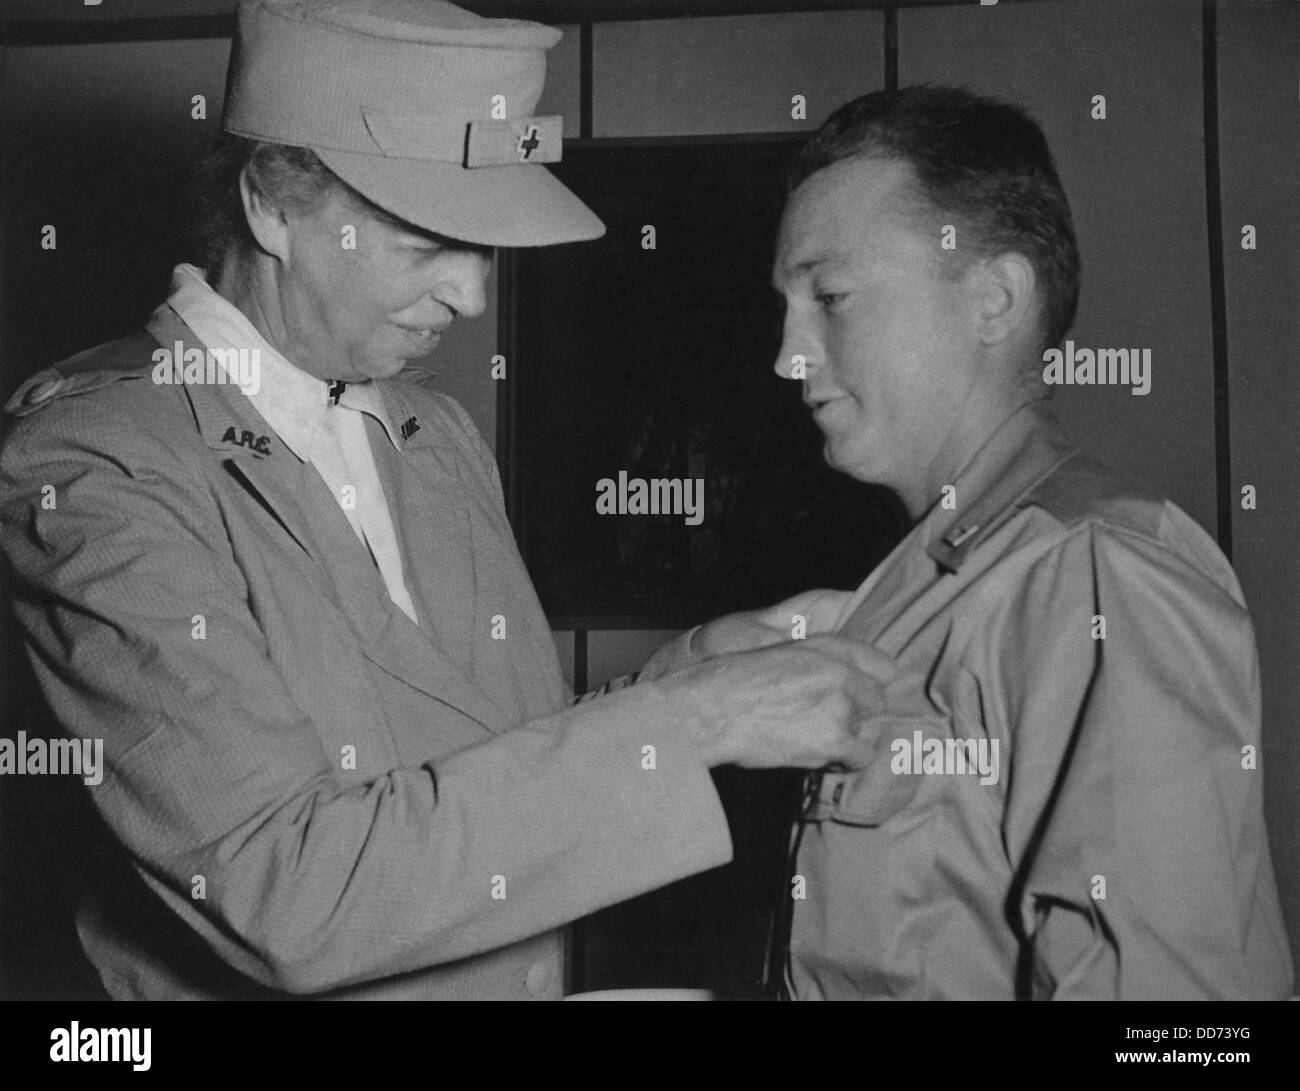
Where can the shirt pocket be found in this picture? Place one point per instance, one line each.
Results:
(930, 742)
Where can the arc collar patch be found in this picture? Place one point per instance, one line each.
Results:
(242, 437)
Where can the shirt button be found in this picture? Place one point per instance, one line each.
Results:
(43, 391)
(538, 979)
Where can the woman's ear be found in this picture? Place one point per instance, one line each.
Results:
(265, 220)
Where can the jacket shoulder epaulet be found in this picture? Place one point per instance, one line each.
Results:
(1083, 488)
(128, 358)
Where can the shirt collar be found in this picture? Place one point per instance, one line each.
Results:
(365, 398)
(1024, 449)
(291, 400)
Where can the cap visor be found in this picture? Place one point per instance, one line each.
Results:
(491, 206)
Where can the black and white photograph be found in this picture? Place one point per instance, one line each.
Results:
(650, 500)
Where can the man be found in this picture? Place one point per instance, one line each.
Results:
(1064, 800)
(338, 757)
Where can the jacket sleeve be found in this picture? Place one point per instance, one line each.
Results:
(212, 771)
(1134, 818)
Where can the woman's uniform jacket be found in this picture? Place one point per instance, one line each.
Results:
(314, 795)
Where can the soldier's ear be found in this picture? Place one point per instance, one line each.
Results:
(1007, 297)
(265, 220)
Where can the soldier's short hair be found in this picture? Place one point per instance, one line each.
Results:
(980, 164)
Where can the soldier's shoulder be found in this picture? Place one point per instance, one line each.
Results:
(1083, 489)
(95, 369)
(1125, 516)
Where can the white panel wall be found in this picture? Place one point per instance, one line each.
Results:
(733, 74)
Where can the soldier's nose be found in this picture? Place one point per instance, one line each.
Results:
(793, 364)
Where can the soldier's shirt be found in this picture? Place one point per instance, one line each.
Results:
(1083, 650)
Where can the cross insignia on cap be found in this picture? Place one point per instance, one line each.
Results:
(528, 143)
